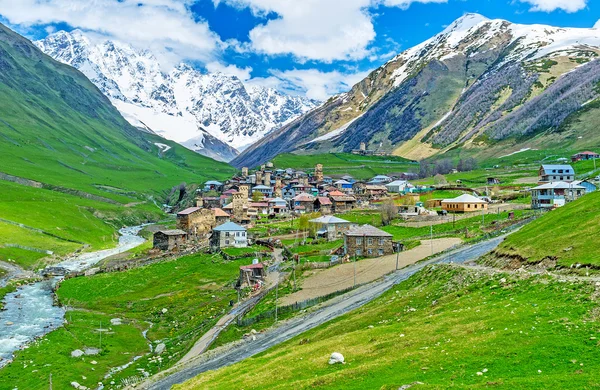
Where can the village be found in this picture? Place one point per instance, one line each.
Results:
(276, 207)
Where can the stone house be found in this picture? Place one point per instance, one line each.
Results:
(367, 241)
(304, 203)
(323, 204)
(221, 216)
(167, 240)
(330, 227)
(228, 235)
(341, 202)
(196, 221)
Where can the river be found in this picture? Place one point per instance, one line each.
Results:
(30, 312)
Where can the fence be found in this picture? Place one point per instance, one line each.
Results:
(292, 308)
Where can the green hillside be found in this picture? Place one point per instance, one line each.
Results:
(83, 162)
(567, 235)
(446, 327)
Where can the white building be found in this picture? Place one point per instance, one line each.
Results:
(557, 194)
(227, 235)
(399, 186)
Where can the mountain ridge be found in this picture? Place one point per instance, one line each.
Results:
(214, 114)
(406, 106)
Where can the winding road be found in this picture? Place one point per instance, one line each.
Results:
(295, 326)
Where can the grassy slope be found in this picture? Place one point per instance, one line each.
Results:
(57, 128)
(568, 234)
(441, 327)
(339, 164)
(195, 290)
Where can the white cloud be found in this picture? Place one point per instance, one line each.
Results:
(313, 83)
(231, 70)
(553, 5)
(166, 27)
(322, 30)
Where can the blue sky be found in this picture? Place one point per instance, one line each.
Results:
(311, 47)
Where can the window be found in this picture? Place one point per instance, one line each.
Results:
(358, 240)
(226, 234)
(370, 252)
(380, 252)
(358, 252)
(370, 241)
(226, 242)
(381, 241)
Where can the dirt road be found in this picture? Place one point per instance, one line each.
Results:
(325, 281)
(207, 338)
(297, 325)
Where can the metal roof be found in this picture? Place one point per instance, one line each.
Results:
(173, 232)
(329, 219)
(188, 211)
(368, 231)
(230, 227)
(464, 198)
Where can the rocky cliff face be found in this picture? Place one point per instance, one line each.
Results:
(216, 113)
(476, 82)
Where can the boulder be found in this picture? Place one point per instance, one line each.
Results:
(160, 348)
(91, 351)
(336, 357)
(77, 353)
(116, 321)
(164, 310)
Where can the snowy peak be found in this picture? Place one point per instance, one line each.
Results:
(181, 104)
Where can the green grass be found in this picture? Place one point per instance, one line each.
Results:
(441, 327)
(362, 217)
(249, 251)
(339, 164)
(51, 355)
(567, 234)
(492, 222)
(317, 247)
(194, 290)
(97, 172)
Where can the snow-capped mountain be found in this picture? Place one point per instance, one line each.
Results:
(478, 81)
(201, 111)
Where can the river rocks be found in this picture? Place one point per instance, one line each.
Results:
(164, 310)
(160, 348)
(336, 358)
(116, 321)
(9, 323)
(77, 353)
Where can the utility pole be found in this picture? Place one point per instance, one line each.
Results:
(50, 381)
(276, 297)
(355, 270)
(431, 236)
(397, 258)
(294, 276)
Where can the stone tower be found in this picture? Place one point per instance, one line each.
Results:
(238, 202)
(245, 171)
(267, 179)
(259, 177)
(278, 193)
(319, 173)
(363, 146)
(245, 190)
